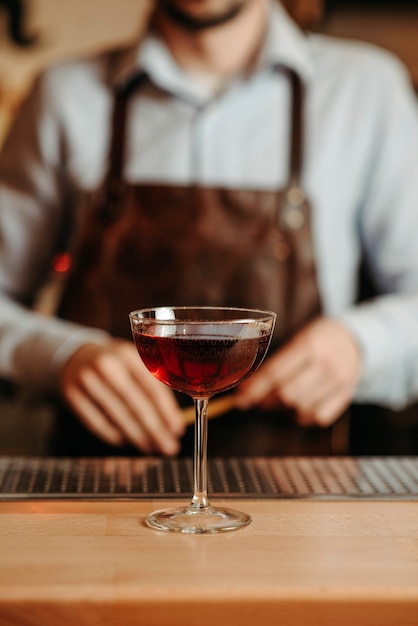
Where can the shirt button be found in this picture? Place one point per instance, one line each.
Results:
(281, 250)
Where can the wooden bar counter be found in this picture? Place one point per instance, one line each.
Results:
(301, 561)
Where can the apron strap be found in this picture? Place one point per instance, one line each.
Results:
(294, 210)
(297, 130)
(114, 183)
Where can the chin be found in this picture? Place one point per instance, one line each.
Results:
(202, 13)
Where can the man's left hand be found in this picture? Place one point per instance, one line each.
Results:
(315, 374)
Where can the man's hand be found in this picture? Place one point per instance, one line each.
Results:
(315, 374)
(117, 398)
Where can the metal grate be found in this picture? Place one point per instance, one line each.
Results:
(258, 477)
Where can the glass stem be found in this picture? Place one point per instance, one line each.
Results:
(200, 471)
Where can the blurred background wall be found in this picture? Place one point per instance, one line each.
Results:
(391, 24)
(61, 28)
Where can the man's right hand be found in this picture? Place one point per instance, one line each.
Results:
(116, 397)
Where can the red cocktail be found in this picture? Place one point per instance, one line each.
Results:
(203, 365)
(201, 351)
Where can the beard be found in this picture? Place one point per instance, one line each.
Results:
(190, 15)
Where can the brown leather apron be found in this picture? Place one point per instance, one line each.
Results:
(145, 245)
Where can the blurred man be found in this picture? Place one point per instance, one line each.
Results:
(225, 159)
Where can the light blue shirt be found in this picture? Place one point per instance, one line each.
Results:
(360, 173)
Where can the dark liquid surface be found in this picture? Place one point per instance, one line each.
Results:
(201, 366)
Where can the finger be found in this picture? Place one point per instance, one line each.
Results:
(159, 434)
(92, 417)
(163, 399)
(115, 409)
(288, 361)
(270, 377)
(143, 402)
(131, 410)
(302, 393)
(326, 411)
(306, 389)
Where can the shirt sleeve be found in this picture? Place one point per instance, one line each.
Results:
(33, 190)
(386, 327)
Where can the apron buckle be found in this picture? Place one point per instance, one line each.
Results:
(292, 213)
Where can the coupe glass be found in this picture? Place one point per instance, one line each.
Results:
(201, 351)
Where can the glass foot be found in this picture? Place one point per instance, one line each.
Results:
(194, 520)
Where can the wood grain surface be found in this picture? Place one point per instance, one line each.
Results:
(299, 562)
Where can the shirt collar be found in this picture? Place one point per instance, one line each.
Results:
(285, 44)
